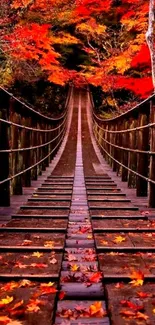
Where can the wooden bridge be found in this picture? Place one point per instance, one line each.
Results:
(77, 199)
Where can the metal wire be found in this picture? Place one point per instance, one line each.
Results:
(35, 147)
(126, 149)
(127, 130)
(31, 129)
(31, 167)
(30, 108)
(124, 166)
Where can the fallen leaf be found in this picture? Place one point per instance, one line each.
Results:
(17, 305)
(53, 261)
(49, 244)
(74, 268)
(47, 288)
(62, 295)
(71, 258)
(143, 294)
(6, 301)
(26, 242)
(138, 278)
(4, 320)
(32, 308)
(49, 284)
(97, 310)
(20, 265)
(119, 239)
(9, 286)
(142, 316)
(25, 283)
(103, 242)
(37, 254)
(130, 304)
(39, 265)
(96, 277)
(128, 313)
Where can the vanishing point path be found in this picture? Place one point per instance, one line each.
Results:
(69, 254)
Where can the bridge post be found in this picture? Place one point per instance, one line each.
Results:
(125, 154)
(132, 159)
(27, 153)
(111, 136)
(34, 152)
(115, 149)
(15, 139)
(152, 157)
(4, 160)
(142, 159)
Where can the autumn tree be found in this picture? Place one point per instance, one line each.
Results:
(98, 42)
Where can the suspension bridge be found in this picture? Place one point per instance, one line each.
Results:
(77, 214)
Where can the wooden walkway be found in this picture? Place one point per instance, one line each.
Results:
(69, 254)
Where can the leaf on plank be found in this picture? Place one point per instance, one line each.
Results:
(62, 295)
(4, 320)
(26, 242)
(138, 278)
(119, 239)
(96, 277)
(37, 254)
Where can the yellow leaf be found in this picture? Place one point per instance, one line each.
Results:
(25, 283)
(33, 308)
(50, 284)
(89, 237)
(74, 268)
(119, 239)
(138, 278)
(37, 254)
(49, 244)
(6, 301)
(137, 282)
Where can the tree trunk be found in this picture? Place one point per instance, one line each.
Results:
(150, 37)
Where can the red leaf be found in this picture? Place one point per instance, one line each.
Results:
(62, 295)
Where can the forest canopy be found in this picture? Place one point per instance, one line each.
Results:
(96, 42)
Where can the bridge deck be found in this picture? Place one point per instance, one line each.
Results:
(77, 241)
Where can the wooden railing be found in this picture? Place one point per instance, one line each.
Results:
(127, 142)
(28, 142)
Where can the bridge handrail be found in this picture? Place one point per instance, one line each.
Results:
(128, 145)
(32, 129)
(32, 109)
(126, 149)
(28, 143)
(34, 165)
(129, 169)
(35, 147)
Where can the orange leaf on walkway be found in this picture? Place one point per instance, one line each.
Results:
(96, 309)
(96, 277)
(4, 320)
(74, 267)
(138, 278)
(143, 294)
(119, 239)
